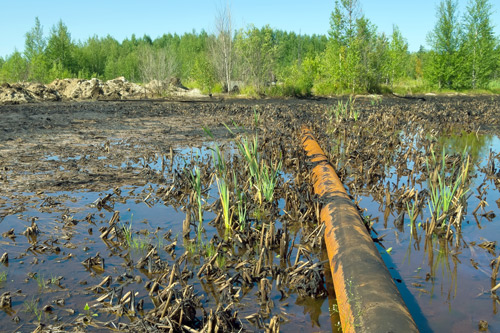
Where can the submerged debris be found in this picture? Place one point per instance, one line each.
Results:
(175, 259)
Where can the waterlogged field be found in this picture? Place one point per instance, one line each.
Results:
(173, 217)
(431, 191)
(140, 216)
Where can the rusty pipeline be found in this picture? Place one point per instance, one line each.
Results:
(367, 297)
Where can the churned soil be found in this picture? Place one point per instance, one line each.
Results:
(67, 147)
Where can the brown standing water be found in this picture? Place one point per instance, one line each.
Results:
(94, 195)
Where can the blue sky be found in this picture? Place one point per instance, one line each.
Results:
(122, 18)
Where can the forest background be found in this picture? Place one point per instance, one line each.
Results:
(463, 55)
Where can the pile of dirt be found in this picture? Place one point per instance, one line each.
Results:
(93, 89)
(77, 89)
(26, 92)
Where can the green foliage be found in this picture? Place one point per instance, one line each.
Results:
(39, 69)
(31, 306)
(241, 203)
(14, 69)
(494, 86)
(89, 312)
(92, 56)
(224, 199)
(249, 90)
(478, 46)
(352, 58)
(195, 178)
(133, 241)
(269, 179)
(40, 281)
(298, 79)
(263, 176)
(343, 111)
(203, 73)
(463, 51)
(60, 49)
(356, 56)
(398, 57)
(219, 160)
(445, 42)
(257, 50)
(34, 43)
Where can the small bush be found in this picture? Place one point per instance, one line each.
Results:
(249, 90)
(494, 86)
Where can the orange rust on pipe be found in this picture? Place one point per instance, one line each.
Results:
(367, 297)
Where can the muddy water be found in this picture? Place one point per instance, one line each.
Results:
(65, 176)
(58, 160)
(80, 243)
(446, 287)
(69, 221)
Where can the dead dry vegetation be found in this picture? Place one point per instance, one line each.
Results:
(109, 273)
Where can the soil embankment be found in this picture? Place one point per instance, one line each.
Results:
(94, 89)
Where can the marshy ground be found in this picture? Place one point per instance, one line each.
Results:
(100, 215)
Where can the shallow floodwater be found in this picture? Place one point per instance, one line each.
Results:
(446, 287)
(59, 161)
(69, 224)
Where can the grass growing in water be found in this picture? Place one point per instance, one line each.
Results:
(195, 177)
(219, 160)
(447, 191)
(241, 204)
(31, 306)
(3, 276)
(134, 242)
(248, 150)
(344, 110)
(413, 211)
(40, 281)
(210, 251)
(224, 198)
(268, 180)
(88, 312)
(262, 177)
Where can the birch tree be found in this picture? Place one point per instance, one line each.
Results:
(156, 67)
(222, 46)
(479, 44)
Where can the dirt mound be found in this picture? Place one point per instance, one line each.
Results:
(25, 92)
(120, 88)
(93, 89)
(76, 89)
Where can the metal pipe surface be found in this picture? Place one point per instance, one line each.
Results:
(367, 297)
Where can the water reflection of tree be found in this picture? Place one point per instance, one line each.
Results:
(472, 143)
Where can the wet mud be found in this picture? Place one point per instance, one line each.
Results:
(99, 222)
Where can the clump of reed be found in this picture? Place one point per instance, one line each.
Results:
(225, 202)
(343, 111)
(447, 184)
(195, 178)
(263, 176)
(257, 175)
(134, 241)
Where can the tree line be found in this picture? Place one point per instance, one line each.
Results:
(353, 57)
